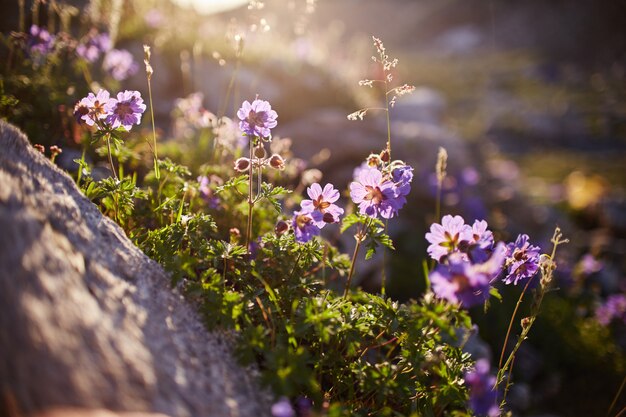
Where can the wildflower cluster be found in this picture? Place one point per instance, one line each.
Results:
(95, 45)
(470, 260)
(262, 268)
(109, 114)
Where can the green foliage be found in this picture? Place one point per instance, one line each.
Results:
(373, 230)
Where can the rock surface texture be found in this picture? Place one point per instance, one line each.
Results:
(87, 321)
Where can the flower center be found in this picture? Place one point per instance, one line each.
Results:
(519, 254)
(374, 194)
(123, 109)
(302, 220)
(451, 242)
(461, 281)
(98, 108)
(256, 119)
(320, 204)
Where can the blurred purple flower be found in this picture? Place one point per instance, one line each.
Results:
(126, 110)
(40, 41)
(402, 177)
(93, 45)
(154, 18)
(357, 171)
(93, 107)
(120, 64)
(479, 248)
(589, 264)
(303, 406)
(257, 118)
(375, 195)
(206, 192)
(446, 238)
(613, 308)
(283, 408)
(522, 260)
(483, 398)
(304, 226)
(460, 281)
(321, 206)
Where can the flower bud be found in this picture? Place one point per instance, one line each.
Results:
(373, 160)
(234, 233)
(281, 227)
(328, 218)
(384, 155)
(55, 150)
(242, 164)
(525, 323)
(259, 151)
(277, 162)
(40, 148)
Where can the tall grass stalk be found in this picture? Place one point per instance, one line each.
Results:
(149, 72)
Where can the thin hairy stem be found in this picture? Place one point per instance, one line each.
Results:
(359, 239)
(384, 274)
(508, 332)
(108, 140)
(250, 199)
(507, 386)
(619, 392)
(547, 271)
(157, 172)
(388, 121)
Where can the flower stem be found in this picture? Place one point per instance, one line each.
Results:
(157, 172)
(250, 199)
(359, 239)
(619, 391)
(508, 332)
(388, 121)
(108, 139)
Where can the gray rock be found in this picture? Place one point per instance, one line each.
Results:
(87, 321)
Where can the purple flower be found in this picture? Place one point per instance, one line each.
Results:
(589, 264)
(402, 177)
(375, 195)
(120, 64)
(483, 398)
(613, 308)
(93, 46)
(40, 42)
(358, 170)
(257, 118)
(446, 238)
(206, 192)
(522, 260)
(479, 248)
(93, 107)
(283, 408)
(460, 281)
(321, 204)
(126, 110)
(304, 226)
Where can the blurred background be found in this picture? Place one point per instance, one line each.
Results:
(527, 97)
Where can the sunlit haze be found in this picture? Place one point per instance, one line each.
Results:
(211, 6)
